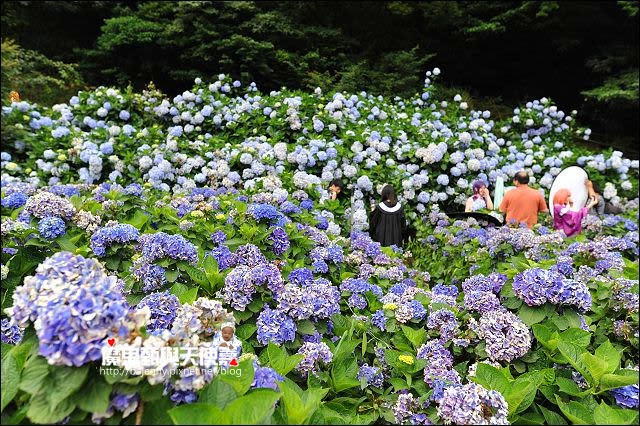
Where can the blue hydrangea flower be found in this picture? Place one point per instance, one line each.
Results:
(14, 200)
(280, 241)
(223, 256)
(274, 326)
(10, 334)
(164, 308)
(117, 234)
(379, 319)
(301, 276)
(371, 375)
(447, 290)
(262, 211)
(51, 227)
(314, 354)
(74, 305)
(266, 377)
(320, 267)
(218, 237)
(161, 245)
(307, 204)
(626, 396)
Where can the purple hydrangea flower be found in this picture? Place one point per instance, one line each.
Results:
(164, 308)
(472, 404)
(444, 321)
(506, 336)
(314, 353)
(249, 255)
(10, 333)
(45, 204)
(74, 305)
(372, 375)
(481, 301)
(274, 326)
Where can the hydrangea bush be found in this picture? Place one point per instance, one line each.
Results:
(147, 222)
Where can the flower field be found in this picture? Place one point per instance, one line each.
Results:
(136, 224)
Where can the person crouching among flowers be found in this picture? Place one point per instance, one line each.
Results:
(565, 219)
(480, 198)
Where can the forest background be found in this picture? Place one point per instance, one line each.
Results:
(581, 54)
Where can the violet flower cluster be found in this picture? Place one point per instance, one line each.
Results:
(506, 336)
(314, 354)
(472, 404)
(537, 286)
(74, 306)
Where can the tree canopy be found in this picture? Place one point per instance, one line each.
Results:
(584, 54)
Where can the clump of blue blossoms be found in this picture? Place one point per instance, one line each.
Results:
(472, 404)
(10, 333)
(307, 204)
(262, 211)
(74, 306)
(439, 363)
(45, 204)
(314, 353)
(125, 403)
(223, 256)
(627, 396)
(265, 377)
(161, 245)
(14, 200)
(218, 237)
(242, 282)
(164, 309)
(371, 375)
(301, 276)
(274, 326)
(379, 319)
(279, 240)
(506, 336)
(121, 233)
(444, 321)
(51, 227)
(537, 286)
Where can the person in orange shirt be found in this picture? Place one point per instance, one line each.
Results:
(522, 204)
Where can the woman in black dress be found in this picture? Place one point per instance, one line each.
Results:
(387, 224)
